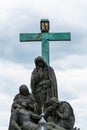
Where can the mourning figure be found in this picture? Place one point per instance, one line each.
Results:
(59, 115)
(24, 95)
(29, 111)
(43, 82)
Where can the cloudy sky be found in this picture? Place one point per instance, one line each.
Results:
(69, 59)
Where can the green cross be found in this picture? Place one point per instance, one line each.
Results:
(45, 37)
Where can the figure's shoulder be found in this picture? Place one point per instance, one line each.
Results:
(50, 69)
(31, 96)
(64, 103)
(16, 96)
(34, 71)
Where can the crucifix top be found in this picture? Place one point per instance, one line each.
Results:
(45, 37)
(44, 25)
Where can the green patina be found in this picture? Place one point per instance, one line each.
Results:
(45, 37)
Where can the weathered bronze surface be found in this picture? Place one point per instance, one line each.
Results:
(43, 82)
(26, 108)
(45, 37)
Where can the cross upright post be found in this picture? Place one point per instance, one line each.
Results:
(45, 37)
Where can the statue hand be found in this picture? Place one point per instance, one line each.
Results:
(48, 111)
(60, 114)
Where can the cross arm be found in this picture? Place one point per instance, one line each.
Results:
(59, 36)
(25, 37)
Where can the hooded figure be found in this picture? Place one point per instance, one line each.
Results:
(23, 95)
(43, 82)
(60, 113)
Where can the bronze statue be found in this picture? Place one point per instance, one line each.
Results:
(26, 107)
(43, 82)
(23, 119)
(60, 113)
(24, 95)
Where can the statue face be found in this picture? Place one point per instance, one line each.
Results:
(40, 63)
(24, 90)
